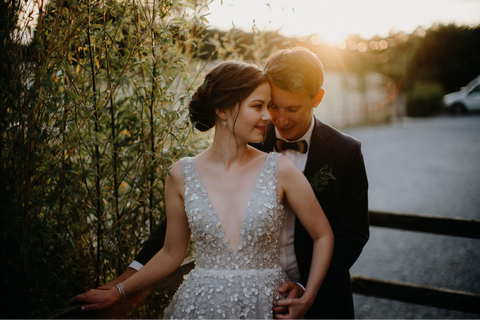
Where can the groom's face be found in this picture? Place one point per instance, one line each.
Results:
(292, 111)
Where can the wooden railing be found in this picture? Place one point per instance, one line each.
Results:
(416, 294)
(406, 292)
(467, 228)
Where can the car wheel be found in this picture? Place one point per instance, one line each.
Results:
(458, 108)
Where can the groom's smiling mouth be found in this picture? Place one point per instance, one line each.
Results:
(286, 130)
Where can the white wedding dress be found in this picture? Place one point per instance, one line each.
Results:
(226, 284)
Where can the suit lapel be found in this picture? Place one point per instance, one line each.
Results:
(318, 155)
(319, 150)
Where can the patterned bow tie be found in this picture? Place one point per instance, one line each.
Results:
(299, 146)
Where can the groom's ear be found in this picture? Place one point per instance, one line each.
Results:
(318, 98)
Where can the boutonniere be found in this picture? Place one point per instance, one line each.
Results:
(320, 180)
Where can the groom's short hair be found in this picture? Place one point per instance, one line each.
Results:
(295, 69)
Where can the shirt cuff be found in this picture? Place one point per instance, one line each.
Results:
(297, 283)
(136, 265)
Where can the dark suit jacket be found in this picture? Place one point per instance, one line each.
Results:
(345, 204)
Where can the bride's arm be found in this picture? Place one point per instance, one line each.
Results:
(296, 190)
(165, 261)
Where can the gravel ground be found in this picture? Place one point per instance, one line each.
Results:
(430, 167)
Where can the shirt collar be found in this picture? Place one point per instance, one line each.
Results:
(307, 136)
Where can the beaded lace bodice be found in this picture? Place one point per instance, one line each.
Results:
(258, 247)
(226, 284)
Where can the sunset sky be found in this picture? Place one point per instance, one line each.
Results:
(335, 19)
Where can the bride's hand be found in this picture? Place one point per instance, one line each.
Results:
(96, 299)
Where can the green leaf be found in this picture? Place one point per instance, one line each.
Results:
(205, 84)
(204, 19)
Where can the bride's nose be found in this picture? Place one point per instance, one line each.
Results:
(266, 115)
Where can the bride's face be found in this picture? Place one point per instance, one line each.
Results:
(253, 116)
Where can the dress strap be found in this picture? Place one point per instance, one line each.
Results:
(271, 163)
(188, 167)
(271, 173)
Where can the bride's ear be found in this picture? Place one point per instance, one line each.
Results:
(222, 114)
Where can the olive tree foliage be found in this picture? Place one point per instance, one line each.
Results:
(92, 114)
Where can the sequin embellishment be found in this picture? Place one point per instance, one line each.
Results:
(226, 284)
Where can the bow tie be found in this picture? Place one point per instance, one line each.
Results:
(299, 146)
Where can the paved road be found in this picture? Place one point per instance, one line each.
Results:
(425, 166)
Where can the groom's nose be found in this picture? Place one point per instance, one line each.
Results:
(281, 118)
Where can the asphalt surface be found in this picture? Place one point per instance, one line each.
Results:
(424, 166)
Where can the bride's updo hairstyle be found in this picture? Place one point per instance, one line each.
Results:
(225, 86)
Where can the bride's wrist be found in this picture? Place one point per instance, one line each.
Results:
(121, 291)
(307, 299)
(115, 294)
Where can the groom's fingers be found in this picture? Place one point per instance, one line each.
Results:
(287, 302)
(124, 276)
(282, 316)
(282, 308)
(77, 299)
(291, 290)
(279, 310)
(286, 287)
(296, 309)
(105, 287)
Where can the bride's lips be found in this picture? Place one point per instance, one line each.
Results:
(261, 128)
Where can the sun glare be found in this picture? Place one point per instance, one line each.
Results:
(331, 21)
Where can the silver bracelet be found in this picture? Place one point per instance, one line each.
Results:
(121, 290)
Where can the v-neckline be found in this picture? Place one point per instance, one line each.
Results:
(244, 214)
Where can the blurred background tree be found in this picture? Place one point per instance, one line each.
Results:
(444, 60)
(448, 54)
(92, 116)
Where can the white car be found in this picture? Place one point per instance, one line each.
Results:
(467, 99)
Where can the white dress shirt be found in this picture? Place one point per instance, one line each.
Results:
(288, 259)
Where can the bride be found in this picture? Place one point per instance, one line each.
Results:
(230, 199)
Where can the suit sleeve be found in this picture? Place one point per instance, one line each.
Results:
(153, 244)
(352, 231)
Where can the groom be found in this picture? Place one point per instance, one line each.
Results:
(333, 163)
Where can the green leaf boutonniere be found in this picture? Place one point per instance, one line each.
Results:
(320, 180)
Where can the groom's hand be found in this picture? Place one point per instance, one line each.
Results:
(293, 291)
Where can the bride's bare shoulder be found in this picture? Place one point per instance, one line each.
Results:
(175, 172)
